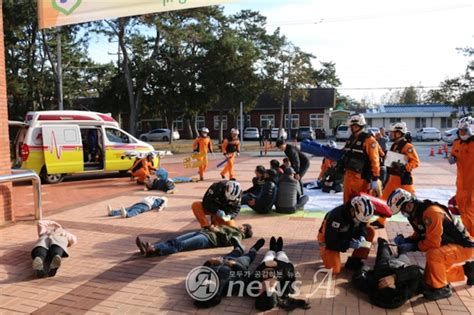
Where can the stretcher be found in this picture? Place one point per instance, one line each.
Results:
(318, 149)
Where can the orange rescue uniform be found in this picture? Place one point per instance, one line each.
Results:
(203, 145)
(441, 260)
(230, 147)
(327, 163)
(354, 183)
(141, 169)
(463, 151)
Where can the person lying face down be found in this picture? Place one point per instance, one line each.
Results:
(230, 269)
(214, 236)
(277, 276)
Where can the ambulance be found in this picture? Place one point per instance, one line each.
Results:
(59, 143)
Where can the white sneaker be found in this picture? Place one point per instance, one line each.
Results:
(123, 212)
(109, 210)
(164, 204)
(172, 191)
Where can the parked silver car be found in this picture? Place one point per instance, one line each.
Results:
(305, 133)
(342, 133)
(275, 131)
(251, 133)
(450, 135)
(159, 135)
(428, 134)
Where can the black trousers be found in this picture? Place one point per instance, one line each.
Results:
(47, 254)
(243, 260)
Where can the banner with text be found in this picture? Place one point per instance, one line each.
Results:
(62, 12)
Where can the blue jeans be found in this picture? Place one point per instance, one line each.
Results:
(185, 242)
(138, 208)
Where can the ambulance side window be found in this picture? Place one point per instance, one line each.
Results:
(116, 136)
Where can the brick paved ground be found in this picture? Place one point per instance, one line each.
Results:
(105, 273)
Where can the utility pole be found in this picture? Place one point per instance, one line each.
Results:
(242, 122)
(290, 118)
(59, 70)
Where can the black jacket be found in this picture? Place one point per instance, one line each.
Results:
(340, 228)
(214, 199)
(257, 184)
(266, 198)
(299, 161)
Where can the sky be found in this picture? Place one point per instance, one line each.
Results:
(374, 43)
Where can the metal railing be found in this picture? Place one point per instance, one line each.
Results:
(24, 175)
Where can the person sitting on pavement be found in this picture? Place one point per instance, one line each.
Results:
(257, 183)
(333, 179)
(161, 182)
(230, 269)
(290, 198)
(285, 164)
(263, 202)
(275, 165)
(346, 227)
(50, 248)
(277, 275)
(441, 236)
(393, 280)
(147, 204)
(213, 236)
(221, 201)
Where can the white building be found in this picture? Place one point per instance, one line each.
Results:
(439, 116)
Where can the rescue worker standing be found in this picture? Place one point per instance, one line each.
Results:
(443, 238)
(399, 174)
(202, 145)
(230, 148)
(221, 201)
(462, 154)
(346, 227)
(361, 160)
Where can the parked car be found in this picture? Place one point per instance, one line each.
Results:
(305, 133)
(428, 134)
(372, 130)
(251, 133)
(159, 135)
(320, 133)
(342, 133)
(450, 135)
(275, 131)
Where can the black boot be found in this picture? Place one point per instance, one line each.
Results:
(436, 294)
(273, 243)
(469, 272)
(237, 245)
(354, 263)
(279, 245)
(259, 244)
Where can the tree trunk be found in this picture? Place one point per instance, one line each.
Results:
(221, 127)
(189, 128)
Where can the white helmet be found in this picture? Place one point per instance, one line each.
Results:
(356, 119)
(332, 144)
(364, 209)
(234, 131)
(399, 126)
(397, 199)
(232, 191)
(466, 124)
(204, 130)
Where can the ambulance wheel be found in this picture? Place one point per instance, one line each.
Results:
(51, 178)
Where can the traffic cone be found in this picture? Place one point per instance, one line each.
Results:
(440, 150)
(432, 151)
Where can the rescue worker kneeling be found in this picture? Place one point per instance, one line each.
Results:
(346, 227)
(443, 238)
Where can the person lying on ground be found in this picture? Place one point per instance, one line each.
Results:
(277, 276)
(147, 204)
(393, 280)
(290, 198)
(263, 202)
(346, 227)
(214, 236)
(161, 184)
(221, 201)
(230, 269)
(257, 183)
(50, 248)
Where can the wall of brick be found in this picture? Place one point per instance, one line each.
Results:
(6, 214)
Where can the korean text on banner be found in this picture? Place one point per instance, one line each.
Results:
(62, 12)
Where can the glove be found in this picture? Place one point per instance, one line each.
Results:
(452, 160)
(374, 184)
(399, 239)
(408, 247)
(221, 214)
(355, 244)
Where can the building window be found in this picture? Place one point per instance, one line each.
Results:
(247, 121)
(316, 121)
(369, 122)
(394, 120)
(217, 121)
(178, 124)
(420, 123)
(200, 122)
(295, 121)
(267, 121)
(446, 122)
